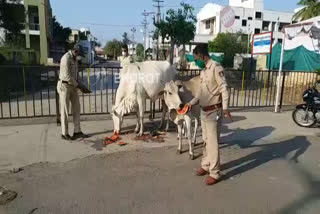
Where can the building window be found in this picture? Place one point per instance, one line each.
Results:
(33, 14)
(208, 24)
(258, 15)
(249, 18)
(257, 30)
(36, 19)
(265, 25)
(237, 17)
(244, 23)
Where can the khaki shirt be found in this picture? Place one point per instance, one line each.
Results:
(125, 60)
(213, 87)
(69, 69)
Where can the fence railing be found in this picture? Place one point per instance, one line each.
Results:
(31, 91)
(258, 89)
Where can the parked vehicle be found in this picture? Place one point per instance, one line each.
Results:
(308, 113)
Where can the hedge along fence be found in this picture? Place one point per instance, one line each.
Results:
(13, 56)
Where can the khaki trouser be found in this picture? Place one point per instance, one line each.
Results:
(69, 93)
(210, 123)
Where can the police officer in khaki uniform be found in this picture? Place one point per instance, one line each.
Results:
(68, 91)
(125, 59)
(213, 97)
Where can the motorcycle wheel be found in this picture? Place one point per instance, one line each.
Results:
(303, 118)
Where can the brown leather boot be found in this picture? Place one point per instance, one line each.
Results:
(201, 172)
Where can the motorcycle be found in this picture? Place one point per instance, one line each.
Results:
(308, 113)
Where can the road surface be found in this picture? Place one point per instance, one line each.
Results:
(269, 165)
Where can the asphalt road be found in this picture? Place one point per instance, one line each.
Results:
(258, 179)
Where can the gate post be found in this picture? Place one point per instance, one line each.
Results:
(282, 89)
(57, 101)
(153, 110)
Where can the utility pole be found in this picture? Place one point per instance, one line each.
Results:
(158, 6)
(133, 30)
(145, 29)
(249, 34)
(145, 26)
(150, 40)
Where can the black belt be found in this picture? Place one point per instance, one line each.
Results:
(211, 108)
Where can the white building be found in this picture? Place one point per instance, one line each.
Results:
(132, 49)
(88, 46)
(249, 17)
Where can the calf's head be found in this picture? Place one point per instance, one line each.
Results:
(171, 96)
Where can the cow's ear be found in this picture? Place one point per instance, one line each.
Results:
(161, 93)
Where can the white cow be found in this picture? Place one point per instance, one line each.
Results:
(175, 94)
(138, 82)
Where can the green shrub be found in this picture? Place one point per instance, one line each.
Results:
(14, 56)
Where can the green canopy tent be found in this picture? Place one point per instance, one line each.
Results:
(298, 59)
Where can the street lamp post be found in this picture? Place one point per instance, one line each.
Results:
(145, 28)
(133, 30)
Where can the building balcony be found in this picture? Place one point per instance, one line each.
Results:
(34, 29)
(15, 2)
(203, 38)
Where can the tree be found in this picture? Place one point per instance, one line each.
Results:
(125, 39)
(311, 8)
(97, 44)
(229, 44)
(12, 17)
(140, 52)
(157, 33)
(178, 26)
(60, 33)
(113, 48)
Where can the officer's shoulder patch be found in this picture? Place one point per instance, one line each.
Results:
(221, 73)
(219, 70)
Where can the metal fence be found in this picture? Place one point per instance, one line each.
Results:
(258, 89)
(31, 91)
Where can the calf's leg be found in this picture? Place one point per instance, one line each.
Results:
(196, 124)
(164, 112)
(188, 126)
(179, 151)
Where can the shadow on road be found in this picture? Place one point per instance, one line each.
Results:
(244, 137)
(97, 144)
(267, 153)
(312, 187)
